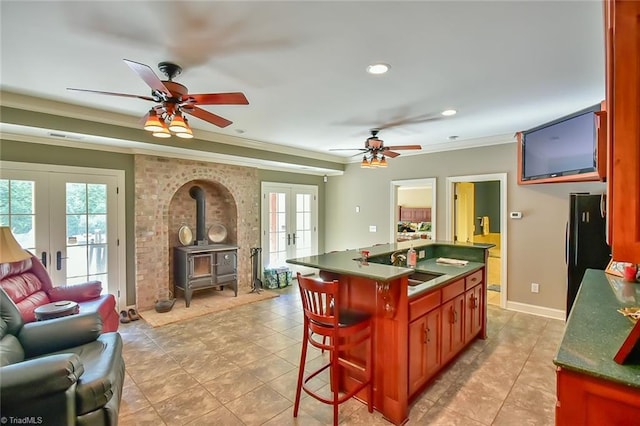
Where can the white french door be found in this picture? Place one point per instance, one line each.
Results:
(71, 218)
(289, 223)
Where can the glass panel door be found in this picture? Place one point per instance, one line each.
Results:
(289, 224)
(86, 233)
(68, 220)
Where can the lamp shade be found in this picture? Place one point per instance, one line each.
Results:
(177, 124)
(153, 123)
(10, 250)
(164, 133)
(185, 135)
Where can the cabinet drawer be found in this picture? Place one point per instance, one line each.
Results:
(473, 279)
(452, 290)
(424, 305)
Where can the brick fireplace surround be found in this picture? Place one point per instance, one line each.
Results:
(163, 204)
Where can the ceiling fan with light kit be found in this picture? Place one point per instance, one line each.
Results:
(174, 100)
(375, 152)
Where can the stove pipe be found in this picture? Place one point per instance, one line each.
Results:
(198, 194)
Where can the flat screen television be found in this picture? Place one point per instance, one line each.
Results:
(566, 149)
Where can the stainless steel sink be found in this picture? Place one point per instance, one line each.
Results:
(418, 278)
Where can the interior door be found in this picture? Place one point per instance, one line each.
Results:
(463, 217)
(289, 224)
(69, 220)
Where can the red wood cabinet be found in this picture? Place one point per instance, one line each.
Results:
(589, 401)
(453, 338)
(424, 349)
(474, 299)
(622, 35)
(438, 331)
(415, 214)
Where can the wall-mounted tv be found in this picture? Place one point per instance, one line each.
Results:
(568, 149)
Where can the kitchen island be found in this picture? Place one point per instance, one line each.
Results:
(420, 322)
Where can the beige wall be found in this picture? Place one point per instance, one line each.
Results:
(414, 197)
(535, 242)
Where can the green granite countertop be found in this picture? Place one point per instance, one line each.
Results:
(595, 330)
(349, 262)
(450, 273)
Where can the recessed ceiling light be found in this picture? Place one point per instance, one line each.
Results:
(448, 112)
(378, 68)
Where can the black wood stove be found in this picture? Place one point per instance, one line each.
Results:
(204, 265)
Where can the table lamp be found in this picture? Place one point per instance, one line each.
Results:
(10, 250)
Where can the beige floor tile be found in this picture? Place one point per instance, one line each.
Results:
(232, 385)
(187, 406)
(259, 405)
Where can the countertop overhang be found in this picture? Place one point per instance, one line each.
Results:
(350, 262)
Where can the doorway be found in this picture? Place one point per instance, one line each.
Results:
(477, 213)
(72, 218)
(289, 224)
(413, 209)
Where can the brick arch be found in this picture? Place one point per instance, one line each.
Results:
(157, 181)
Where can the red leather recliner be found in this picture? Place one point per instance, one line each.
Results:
(28, 284)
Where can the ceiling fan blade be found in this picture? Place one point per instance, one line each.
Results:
(235, 98)
(207, 116)
(391, 154)
(146, 98)
(424, 118)
(401, 147)
(149, 77)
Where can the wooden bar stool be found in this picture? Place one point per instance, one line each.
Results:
(344, 330)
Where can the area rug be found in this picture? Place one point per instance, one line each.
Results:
(493, 287)
(203, 303)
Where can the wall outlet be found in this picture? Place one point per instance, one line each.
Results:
(535, 288)
(421, 254)
(372, 228)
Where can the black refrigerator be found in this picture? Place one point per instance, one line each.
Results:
(586, 240)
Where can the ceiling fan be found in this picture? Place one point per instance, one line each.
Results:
(375, 152)
(173, 100)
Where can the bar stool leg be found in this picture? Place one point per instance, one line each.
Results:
(334, 383)
(303, 359)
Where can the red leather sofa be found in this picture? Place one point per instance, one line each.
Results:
(28, 284)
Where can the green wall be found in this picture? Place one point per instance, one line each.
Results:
(27, 152)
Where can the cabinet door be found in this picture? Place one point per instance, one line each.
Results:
(452, 327)
(473, 312)
(590, 401)
(424, 349)
(417, 354)
(623, 105)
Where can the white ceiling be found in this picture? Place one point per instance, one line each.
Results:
(505, 66)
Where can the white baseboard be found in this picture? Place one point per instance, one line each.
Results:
(537, 310)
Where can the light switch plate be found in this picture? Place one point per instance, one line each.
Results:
(372, 228)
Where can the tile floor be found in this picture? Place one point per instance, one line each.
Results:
(239, 368)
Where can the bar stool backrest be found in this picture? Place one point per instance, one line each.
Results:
(318, 301)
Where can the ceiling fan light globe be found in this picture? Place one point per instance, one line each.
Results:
(178, 125)
(153, 124)
(383, 162)
(185, 135)
(365, 163)
(375, 162)
(164, 133)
